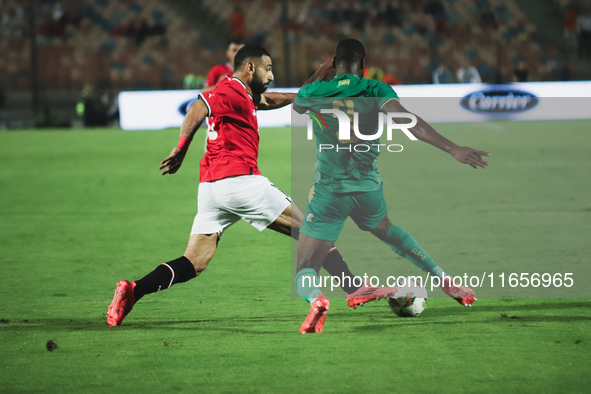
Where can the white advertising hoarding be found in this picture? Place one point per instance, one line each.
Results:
(154, 110)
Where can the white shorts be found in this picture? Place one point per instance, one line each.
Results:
(222, 203)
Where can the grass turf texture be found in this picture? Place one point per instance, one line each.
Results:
(81, 209)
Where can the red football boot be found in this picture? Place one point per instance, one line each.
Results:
(122, 303)
(369, 293)
(462, 294)
(315, 319)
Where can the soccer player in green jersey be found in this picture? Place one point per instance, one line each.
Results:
(347, 182)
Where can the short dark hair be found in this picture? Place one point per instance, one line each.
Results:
(235, 40)
(349, 50)
(249, 52)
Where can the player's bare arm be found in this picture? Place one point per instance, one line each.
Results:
(326, 68)
(195, 116)
(273, 100)
(424, 132)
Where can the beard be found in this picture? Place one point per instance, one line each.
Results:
(257, 85)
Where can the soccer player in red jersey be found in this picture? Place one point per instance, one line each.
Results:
(231, 186)
(220, 71)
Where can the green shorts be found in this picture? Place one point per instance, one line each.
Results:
(326, 211)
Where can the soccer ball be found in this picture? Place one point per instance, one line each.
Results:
(410, 300)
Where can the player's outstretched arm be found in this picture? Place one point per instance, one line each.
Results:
(424, 132)
(195, 116)
(273, 100)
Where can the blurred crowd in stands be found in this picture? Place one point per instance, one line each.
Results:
(133, 44)
(577, 26)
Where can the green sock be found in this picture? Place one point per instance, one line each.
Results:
(401, 242)
(306, 282)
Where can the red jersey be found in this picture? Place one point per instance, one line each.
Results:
(217, 72)
(232, 132)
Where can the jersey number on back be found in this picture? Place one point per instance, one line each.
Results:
(211, 133)
(348, 107)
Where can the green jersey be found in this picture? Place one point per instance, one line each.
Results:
(350, 164)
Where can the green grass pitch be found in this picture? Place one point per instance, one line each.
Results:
(81, 209)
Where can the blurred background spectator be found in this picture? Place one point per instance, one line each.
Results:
(467, 73)
(238, 23)
(92, 107)
(441, 74)
(521, 73)
(584, 32)
(220, 71)
(570, 22)
(192, 81)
